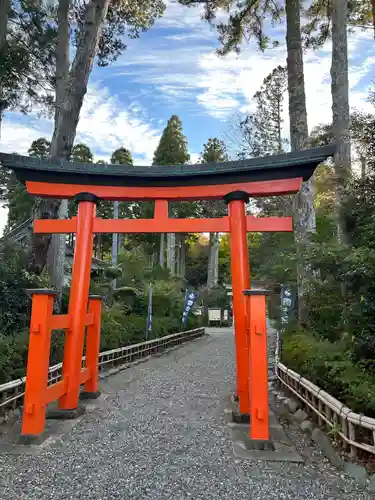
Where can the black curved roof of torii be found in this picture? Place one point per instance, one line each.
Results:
(283, 166)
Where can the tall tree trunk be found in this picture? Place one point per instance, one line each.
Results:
(279, 121)
(178, 254)
(171, 252)
(210, 261)
(62, 53)
(363, 167)
(57, 250)
(115, 242)
(4, 16)
(373, 14)
(340, 111)
(183, 256)
(304, 212)
(215, 260)
(162, 250)
(66, 121)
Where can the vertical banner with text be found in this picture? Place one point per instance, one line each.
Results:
(149, 313)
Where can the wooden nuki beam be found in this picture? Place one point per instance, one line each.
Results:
(179, 193)
(163, 224)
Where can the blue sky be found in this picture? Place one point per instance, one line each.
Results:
(173, 69)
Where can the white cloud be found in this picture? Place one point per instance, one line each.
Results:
(104, 125)
(194, 157)
(186, 67)
(16, 137)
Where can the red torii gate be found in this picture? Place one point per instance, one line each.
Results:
(274, 175)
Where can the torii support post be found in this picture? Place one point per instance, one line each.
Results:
(78, 300)
(38, 393)
(258, 367)
(240, 281)
(35, 403)
(91, 387)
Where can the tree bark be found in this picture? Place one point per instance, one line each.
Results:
(304, 212)
(340, 112)
(183, 256)
(57, 250)
(4, 16)
(363, 167)
(162, 251)
(178, 254)
(115, 242)
(62, 52)
(213, 261)
(66, 121)
(171, 252)
(210, 263)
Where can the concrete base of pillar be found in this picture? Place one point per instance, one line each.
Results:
(31, 439)
(57, 413)
(240, 418)
(259, 444)
(89, 395)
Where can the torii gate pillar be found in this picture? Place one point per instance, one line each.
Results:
(240, 268)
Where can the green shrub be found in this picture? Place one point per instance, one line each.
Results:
(14, 280)
(329, 365)
(13, 356)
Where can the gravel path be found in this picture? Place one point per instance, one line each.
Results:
(158, 433)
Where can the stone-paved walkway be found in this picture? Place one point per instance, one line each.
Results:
(158, 432)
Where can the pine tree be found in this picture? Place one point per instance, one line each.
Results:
(261, 132)
(122, 156)
(172, 150)
(39, 148)
(81, 154)
(318, 28)
(214, 151)
(27, 56)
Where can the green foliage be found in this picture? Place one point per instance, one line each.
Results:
(329, 365)
(363, 133)
(260, 134)
(122, 156)
(39, 148)
(196, 264)
(126, 311)
(172, 148)
(27, 59)
(13, 356)
(246, 20)
(318, 28)
(214, 151)
(82, 154)
(215, 297)
(17, 200)
(14, 280)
